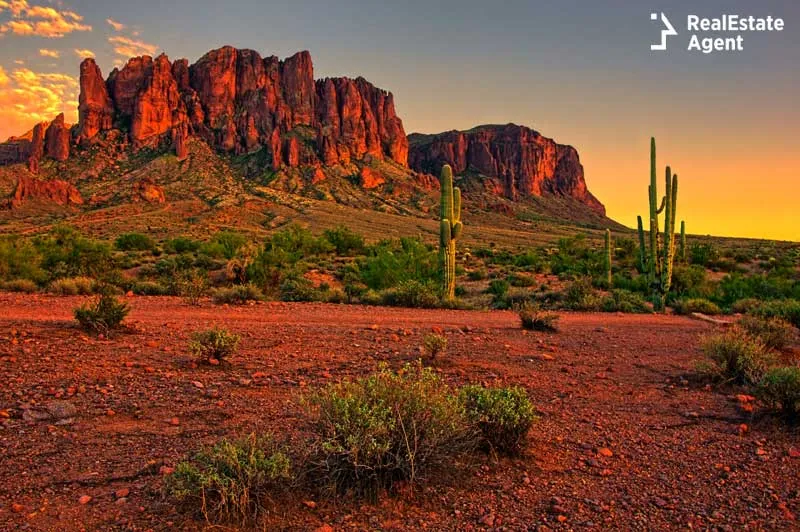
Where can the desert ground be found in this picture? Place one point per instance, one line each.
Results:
(628, 439)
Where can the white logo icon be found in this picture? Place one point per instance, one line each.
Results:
(669, 30)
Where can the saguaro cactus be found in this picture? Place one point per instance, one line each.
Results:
(657, 261)
(450, 227)
(683, 241)
(607, 258)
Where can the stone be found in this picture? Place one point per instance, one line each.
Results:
(57, 139)
(95, 108)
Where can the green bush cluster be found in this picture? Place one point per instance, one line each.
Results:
(102, 315)
(503, 415)
(214, 344)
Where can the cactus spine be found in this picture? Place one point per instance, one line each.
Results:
(657, 261)
(450, 227)
(608, 258)
(683, 241)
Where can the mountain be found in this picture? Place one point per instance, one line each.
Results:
(235, 126)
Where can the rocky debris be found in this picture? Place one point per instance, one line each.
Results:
(147, 190)
(371, 178)
(54, 410)
(519, 160)
(55, 191)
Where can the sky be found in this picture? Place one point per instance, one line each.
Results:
(582, 73)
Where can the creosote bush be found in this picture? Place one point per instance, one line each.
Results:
(72, 286)
(231, 480)
(776, 333)
(788, 309)
(434, 344)
(780, 388)
(214, 344)
(384, 428)
(503, 415)
(20, 285)
(534, 318)
(690, 306)
(103, 314)
(736, 356)
(236, 295)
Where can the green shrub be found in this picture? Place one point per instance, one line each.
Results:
(134, 242)
(736, 356)
(229, 243)
(149, 288)
(413, 294)
(19, 259)
(625, 301)
(534, 318)
(498, 288)
(787, 309)
(102, 315)
(776, 333)
(72, 286)
(390, 263)
(67, 253)
(236, 295)
(434, 344)
(503, 415)
(298, 289)
(193, 285)
(477, 275)
(181, 245)
(780, 388)
(20, 285)
(344, 241)
(685, 307)
(746, 305)
(521, 280)
(231, 480)
(385, 428)
(214, 344)
(580, 295)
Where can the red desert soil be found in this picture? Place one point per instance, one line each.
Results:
(624, 441)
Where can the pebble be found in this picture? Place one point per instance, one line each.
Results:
(84, 500)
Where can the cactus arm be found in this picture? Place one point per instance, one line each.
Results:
(642, 248)
(663, 204)
(456, 205)
(683, 241)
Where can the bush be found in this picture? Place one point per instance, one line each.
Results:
(685, 307)
(236, 295)
(736, 356)
(780, 388)
(73, 286)
(503, 416)
(19, 259)
(104, 314)
(134, 242)
(393, 262)
(533, 318)
(181, 244)
(746, 305)
(298, 289)
(498, 288)
(20, 285)
(434, 344)
(385, 428)
(411, 294)
(625, 301)
(214, 344)
(787, 309)
(229, 243)
(580, 295)
(345, 241)
(193, 285)
(229, 481)
(776, 333)
(149, 288)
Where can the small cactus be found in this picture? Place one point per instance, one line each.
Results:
(450, 227)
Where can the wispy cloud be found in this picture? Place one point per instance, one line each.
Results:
(28, 97)
(41, 21)
(118, 26)
(128, 47)
(83, 53)
(44, 52)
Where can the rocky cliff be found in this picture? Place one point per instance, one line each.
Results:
(518, 161)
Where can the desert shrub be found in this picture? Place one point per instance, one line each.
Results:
(477, 275)
(19, 259)
(345, 241)
(736, 356)
(217, 344)
(735, 286)
(103, 314)
(193, 285)
(67, 253)
(236, 295)
(181, 244)
(434, 344)
(574, 257)
(703, 254)
(20, 285)
(498, 288)
(72, 286)
(229, 243)
(534, 318)
(690, 281)
(390, 263)
(530, 261)
(134, 242)
(780, 388)
(387, 427)
(150, 288)
(688, 306)
(282, 257)
(412, 294)
(625, 301)
(231, 480)
(581, 295)
(788, 309)
(521, 280)
(298, 289)
(746, 305)
(776, 333)
(503, 415)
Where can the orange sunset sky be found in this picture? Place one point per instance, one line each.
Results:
(728, 123)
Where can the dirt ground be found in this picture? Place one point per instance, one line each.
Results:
(627, 439)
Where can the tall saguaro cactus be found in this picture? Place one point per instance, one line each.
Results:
(607, 259)
(450, 227)
(657, 261)
(682, 250)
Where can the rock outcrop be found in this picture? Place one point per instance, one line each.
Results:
(53, 191)
(57, 139)
(523, 162)
(239, 102)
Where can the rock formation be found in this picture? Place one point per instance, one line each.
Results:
(524, 162)
(54, 191)
(57, 139)
(95, 109)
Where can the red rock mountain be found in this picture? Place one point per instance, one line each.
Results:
(519, 160)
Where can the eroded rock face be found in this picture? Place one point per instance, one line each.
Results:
(524, 162)
(53, 191)
(57, 139)
(239, 102)
(147, 190)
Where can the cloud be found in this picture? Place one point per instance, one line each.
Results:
(42, 21)
(28, 97)
(118, 26)
(127, 47)
(44, 52)
(19, 61)
(82, 53)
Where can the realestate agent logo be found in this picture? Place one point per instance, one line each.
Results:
(668, 30)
